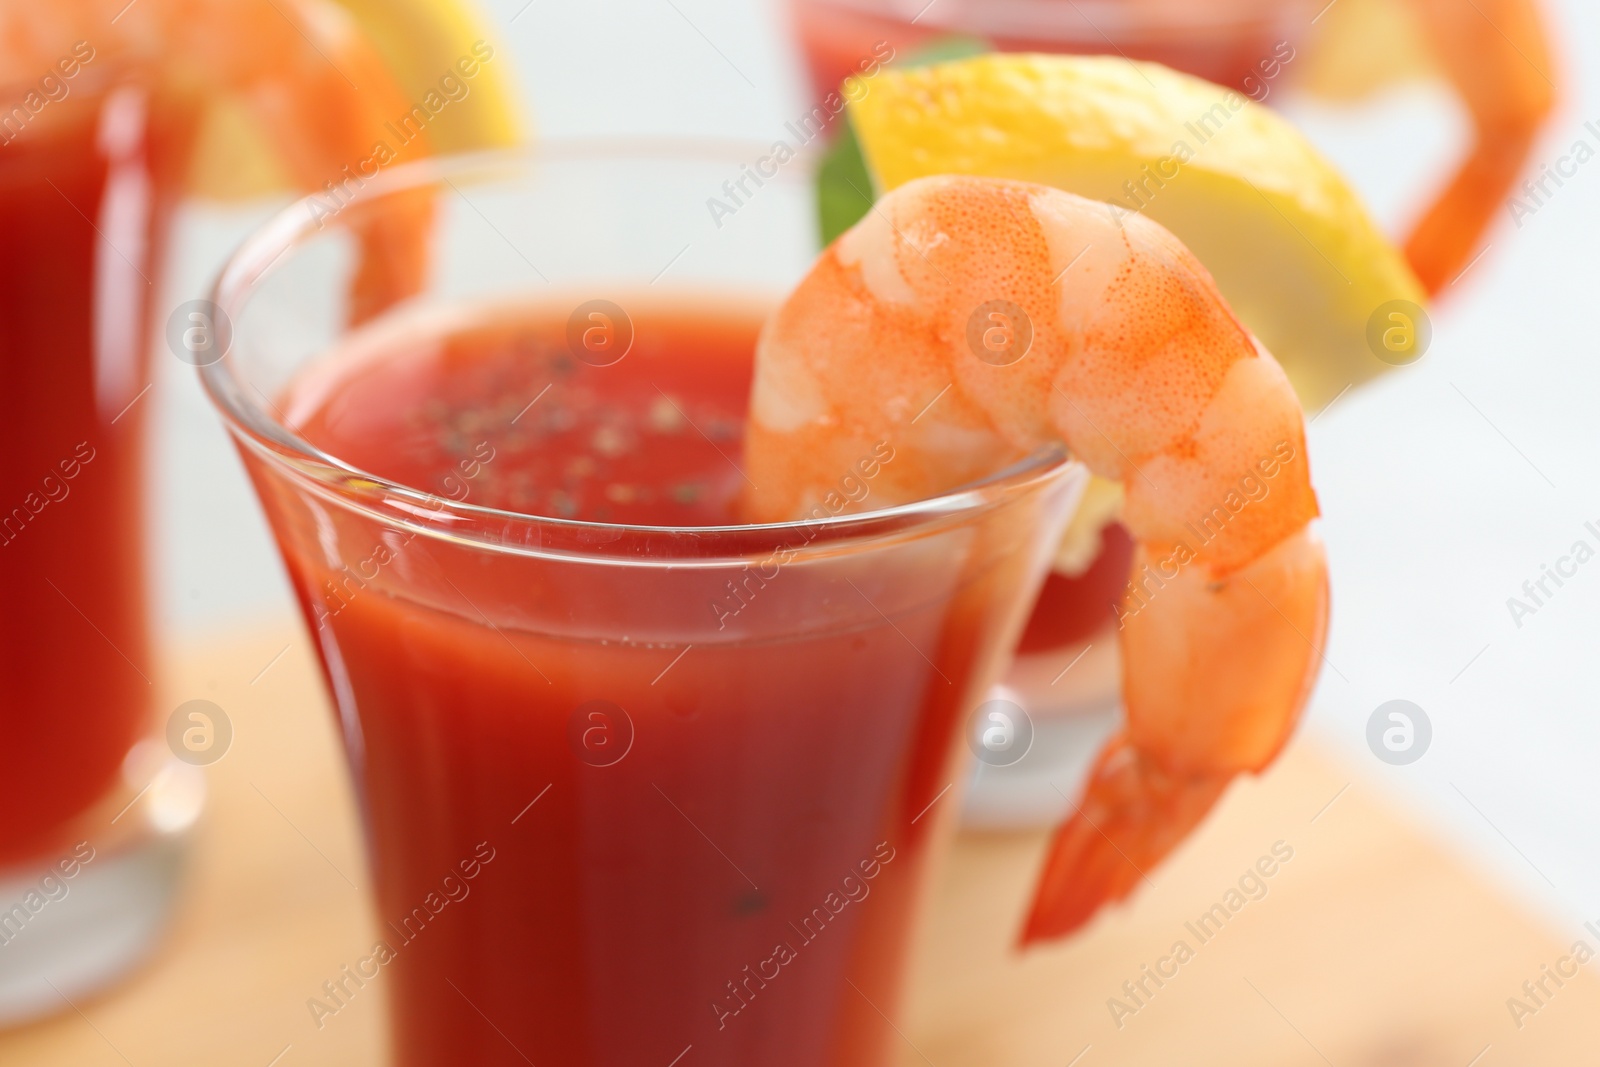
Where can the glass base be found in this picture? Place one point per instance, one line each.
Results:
(75, 921)
(1073, 702)
(1040, 788)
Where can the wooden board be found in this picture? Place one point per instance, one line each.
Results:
(1370, 946)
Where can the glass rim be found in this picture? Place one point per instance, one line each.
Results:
(257, 426)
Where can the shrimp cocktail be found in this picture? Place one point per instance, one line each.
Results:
(660, 570)
(108, 111)
(1493, 56)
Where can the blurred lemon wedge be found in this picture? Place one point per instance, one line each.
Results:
(423, 42)
(1365, 46)
(1289, 243)
(426, 47)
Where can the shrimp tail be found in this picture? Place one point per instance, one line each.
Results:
(1447, 236)
(1196, 721)
(1132, 814)
(1496, 56)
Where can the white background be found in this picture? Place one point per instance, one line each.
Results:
(1445, 486)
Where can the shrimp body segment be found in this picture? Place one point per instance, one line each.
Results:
(1137, 365)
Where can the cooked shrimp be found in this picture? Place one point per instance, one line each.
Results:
(1495, 55)
(1140, 369)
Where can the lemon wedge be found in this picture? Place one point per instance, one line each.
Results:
(1365, 46)
(425, 42)
(1290, 244)
(438, 55)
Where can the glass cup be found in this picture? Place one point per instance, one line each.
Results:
(96, 811)
(609, 819)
